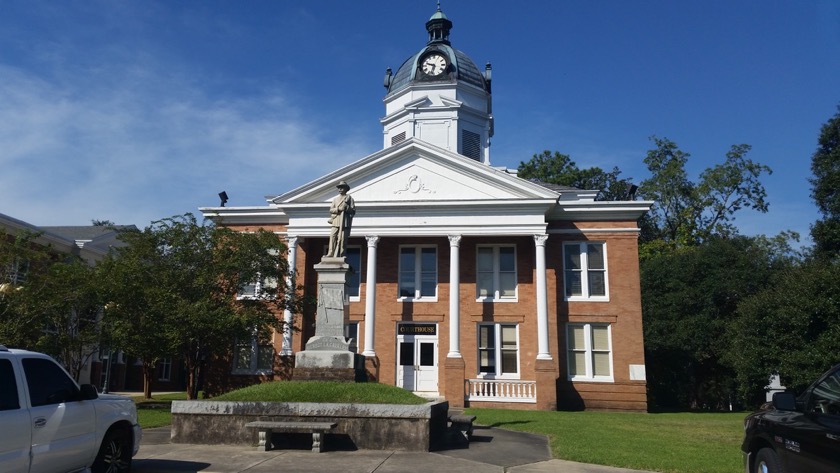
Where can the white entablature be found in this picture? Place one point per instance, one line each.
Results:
(416, 188)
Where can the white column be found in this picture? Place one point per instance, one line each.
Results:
(454, 298)
(288, 320)
(370, 295)
(542, 300)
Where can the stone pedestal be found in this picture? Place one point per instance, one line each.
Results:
(327, 355)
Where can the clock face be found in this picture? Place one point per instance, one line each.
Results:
(434, 64)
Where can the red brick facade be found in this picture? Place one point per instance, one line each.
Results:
(554, 390)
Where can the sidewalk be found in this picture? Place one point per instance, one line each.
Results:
(491, 450)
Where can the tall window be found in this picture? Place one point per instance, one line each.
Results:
(589, 352)
(261, 288)
(496, 272)
(585, 270)
(250, 356)
(418, 272)
(164, 369)
(498, 350)
(354, 278)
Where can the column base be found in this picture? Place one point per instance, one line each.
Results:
(546, 373)
(453, 376)
(372, 368)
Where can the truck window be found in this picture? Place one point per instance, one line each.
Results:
(8, 387)
(826, 395)
(48, 383)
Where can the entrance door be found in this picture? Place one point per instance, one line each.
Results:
(417, 358)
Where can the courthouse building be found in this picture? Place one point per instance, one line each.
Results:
(468, 282)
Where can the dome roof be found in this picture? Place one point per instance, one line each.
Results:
(462, 68)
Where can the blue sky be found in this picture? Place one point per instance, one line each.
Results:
(133, 111)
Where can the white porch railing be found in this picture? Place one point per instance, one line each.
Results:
(501, 390)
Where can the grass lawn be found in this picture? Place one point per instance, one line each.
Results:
(672, 442)
(323, 391)
(155, 412)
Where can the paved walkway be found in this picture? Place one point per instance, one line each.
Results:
(491, 450)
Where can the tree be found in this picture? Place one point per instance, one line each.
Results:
(790, 328)
(687, 313)
(559, 169)
(19, 256)
(825, 189)
(68, 301)
(688, 213)
(173, 290)
(50, 302)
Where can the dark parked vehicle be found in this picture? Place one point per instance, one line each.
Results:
(796, 434)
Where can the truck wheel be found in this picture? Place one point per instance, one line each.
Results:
(114, 454)
(767, 462)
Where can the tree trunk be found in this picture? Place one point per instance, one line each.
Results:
(148, 370)
(191, 378)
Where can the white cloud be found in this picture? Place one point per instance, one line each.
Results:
(134, 142)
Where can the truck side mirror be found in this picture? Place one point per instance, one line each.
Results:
(784, 401)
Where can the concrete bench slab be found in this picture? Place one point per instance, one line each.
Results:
(266, 428)
(463, 423)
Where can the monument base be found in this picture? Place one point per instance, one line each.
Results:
(343, 375)
(327, 365)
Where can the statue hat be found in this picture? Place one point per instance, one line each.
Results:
(343, 184)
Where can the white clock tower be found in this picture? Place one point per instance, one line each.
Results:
(438, 95)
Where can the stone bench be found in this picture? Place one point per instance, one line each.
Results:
(463, 423)
(266, 428)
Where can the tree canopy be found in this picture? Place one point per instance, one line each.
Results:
(792, 326)
(49, 301)
(688, 213)
(558, 168)
(825, 189)
(688, 312)
(173, 289)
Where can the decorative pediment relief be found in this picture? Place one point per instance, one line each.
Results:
(417, 171)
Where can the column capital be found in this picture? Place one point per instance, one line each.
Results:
(540, 240)
(454, 240)
(372, 240)
(292, 240)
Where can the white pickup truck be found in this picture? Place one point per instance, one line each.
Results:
(48, 423)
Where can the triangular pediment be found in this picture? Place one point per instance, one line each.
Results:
(416, 171)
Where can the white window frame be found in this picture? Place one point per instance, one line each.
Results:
(584, 271)
(263, 289)
(497, 351)
(253, 369)
(418, 274)
(589, 352)
(165, 369)
(496, 297)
